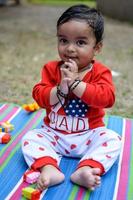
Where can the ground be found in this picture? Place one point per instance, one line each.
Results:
(28, 40)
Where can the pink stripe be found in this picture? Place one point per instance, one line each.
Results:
(122, 189)
(10, 114)
(80, 193)
(15, 142)
(4, 108)
(18, 193)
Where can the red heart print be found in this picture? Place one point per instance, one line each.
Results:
(26, 143)
(73, 146)
(108, 156)
(88, 142)
(105, 144)
(102, 133)
(41, 148)
(56, 137)
(67, 152)
(39, 135)
(54, 143)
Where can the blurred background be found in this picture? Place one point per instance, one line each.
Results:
(28, 41)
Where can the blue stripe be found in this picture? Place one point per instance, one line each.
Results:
(12, 174)
(116, 124)
(62, 191)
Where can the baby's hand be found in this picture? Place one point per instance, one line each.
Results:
(71, 72)
(64, 82)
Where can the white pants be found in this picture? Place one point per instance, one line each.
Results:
(100, 144)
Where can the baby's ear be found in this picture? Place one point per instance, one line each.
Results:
(98, 47)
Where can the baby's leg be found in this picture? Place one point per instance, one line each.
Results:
(39, 150)
(102, 151)
(50, 175)
(87, 177)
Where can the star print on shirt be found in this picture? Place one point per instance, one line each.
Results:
(76, 108)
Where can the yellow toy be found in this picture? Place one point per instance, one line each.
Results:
(6, 126)
(31, 107)
(31, 193)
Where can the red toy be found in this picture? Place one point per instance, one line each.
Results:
(4, 137)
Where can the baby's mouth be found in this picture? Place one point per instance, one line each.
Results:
(71, 57)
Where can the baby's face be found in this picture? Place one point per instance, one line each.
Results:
(76, 41)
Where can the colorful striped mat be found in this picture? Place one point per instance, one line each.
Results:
(116, 185)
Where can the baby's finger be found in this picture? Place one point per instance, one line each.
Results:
(73, 66)
(40, 185)
(65, 72)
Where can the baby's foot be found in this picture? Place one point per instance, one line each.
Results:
(49, 176)
(87, 177)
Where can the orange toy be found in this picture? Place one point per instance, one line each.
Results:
(31, 107)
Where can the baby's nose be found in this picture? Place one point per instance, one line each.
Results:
(71, 48)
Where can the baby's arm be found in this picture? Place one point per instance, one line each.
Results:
(63, 86)
(98, 93)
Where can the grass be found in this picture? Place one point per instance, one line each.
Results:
(91, 3)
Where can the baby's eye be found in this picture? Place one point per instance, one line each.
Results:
(62, 41)
(81, 42)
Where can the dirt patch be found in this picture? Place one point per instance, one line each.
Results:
(28, 40)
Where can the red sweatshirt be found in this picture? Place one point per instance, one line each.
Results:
(99, 94)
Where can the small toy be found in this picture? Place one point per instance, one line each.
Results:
(31, 193)
(31, 176)
(6, 126)
(31, 107)
(4, 137)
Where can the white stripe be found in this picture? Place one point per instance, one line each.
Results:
(2, 106)
(43, 193)
(120, 161)
(14, 115)
(14, 189)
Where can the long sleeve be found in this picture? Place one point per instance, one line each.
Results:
(99, 92)
(50, 78)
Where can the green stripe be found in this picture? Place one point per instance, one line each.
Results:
(18, 146)
(74, 192)
(106, 119)
(9, 157)
(13, 137)
(130, 184)
(6, 111)
(87, 195)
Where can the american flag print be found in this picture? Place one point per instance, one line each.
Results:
(76, 108)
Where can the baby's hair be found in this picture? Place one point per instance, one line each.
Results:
(82, 12)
